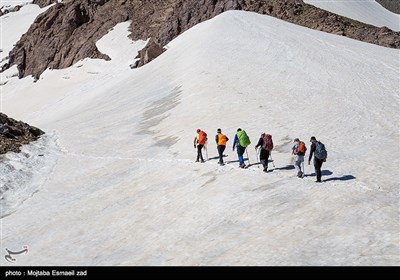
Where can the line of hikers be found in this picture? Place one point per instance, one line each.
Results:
(265, 145)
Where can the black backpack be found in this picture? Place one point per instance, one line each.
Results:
(320, 151)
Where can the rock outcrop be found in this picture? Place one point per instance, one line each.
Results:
(14, 134)
(391, 5)
(44, 3)
(68, 31)
(151, 51)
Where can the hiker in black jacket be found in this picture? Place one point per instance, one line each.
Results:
(317, 162)
(265, 150)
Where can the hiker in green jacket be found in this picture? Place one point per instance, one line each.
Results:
(241, 142)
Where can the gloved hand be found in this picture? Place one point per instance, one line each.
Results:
(194, 146)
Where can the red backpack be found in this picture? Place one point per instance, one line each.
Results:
(202, 138)
(301, 148)
(267, 142)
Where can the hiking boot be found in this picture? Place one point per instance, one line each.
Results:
(202, 161)
(265, 169)
(318, 181)
(242, 165)
(299, 174)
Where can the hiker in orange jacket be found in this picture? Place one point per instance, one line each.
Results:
(221, 140)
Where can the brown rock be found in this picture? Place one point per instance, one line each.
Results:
(148, 53)
(43, 3)
(14, 134)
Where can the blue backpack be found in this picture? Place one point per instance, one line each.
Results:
(320, 151)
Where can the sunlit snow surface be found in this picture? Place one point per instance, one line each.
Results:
(117, 183)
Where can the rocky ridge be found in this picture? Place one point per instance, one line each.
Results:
(67, 32)
(14, 134)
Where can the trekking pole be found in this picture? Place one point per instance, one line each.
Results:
(270, 155)
(248, 159)
(258, 161)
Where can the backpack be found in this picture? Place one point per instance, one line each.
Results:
(267, 142)
(301, 148)
(221, 140)
(243, 138)
(320, 151)
(202, 138)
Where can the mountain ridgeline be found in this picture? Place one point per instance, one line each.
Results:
(67, 32)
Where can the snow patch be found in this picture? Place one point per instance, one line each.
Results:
(22, 174)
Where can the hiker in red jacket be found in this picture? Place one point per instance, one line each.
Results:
(200, 139)
(266, 144)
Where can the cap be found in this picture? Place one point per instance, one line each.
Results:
(313, 138)
(296, 140)
(198, 130)
(219, 130)
(239, 129)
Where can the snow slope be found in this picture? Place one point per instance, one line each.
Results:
(122, 187)
(367, 11)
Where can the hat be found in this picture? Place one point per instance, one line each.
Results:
(239, 129)
(198, 130)
(313, 138)
(219, 130)
(296, 140)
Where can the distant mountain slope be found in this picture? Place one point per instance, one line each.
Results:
(67, 32)
(369, 12)
(391, 5)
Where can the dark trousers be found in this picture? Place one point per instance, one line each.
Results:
(199, 154)
(221, 150)
(317, 166)
(264, 155)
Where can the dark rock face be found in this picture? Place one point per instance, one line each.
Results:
(14, 134)
(43, 3)
(68, 31)
(148, 53)
(391, 5)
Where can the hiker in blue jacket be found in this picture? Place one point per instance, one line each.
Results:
(240, 149)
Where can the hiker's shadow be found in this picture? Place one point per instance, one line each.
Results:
(236, 160)
(323, 173)
(328, 173)
(342, 178)
(217, 157)
(253, 164)
(287, 167)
